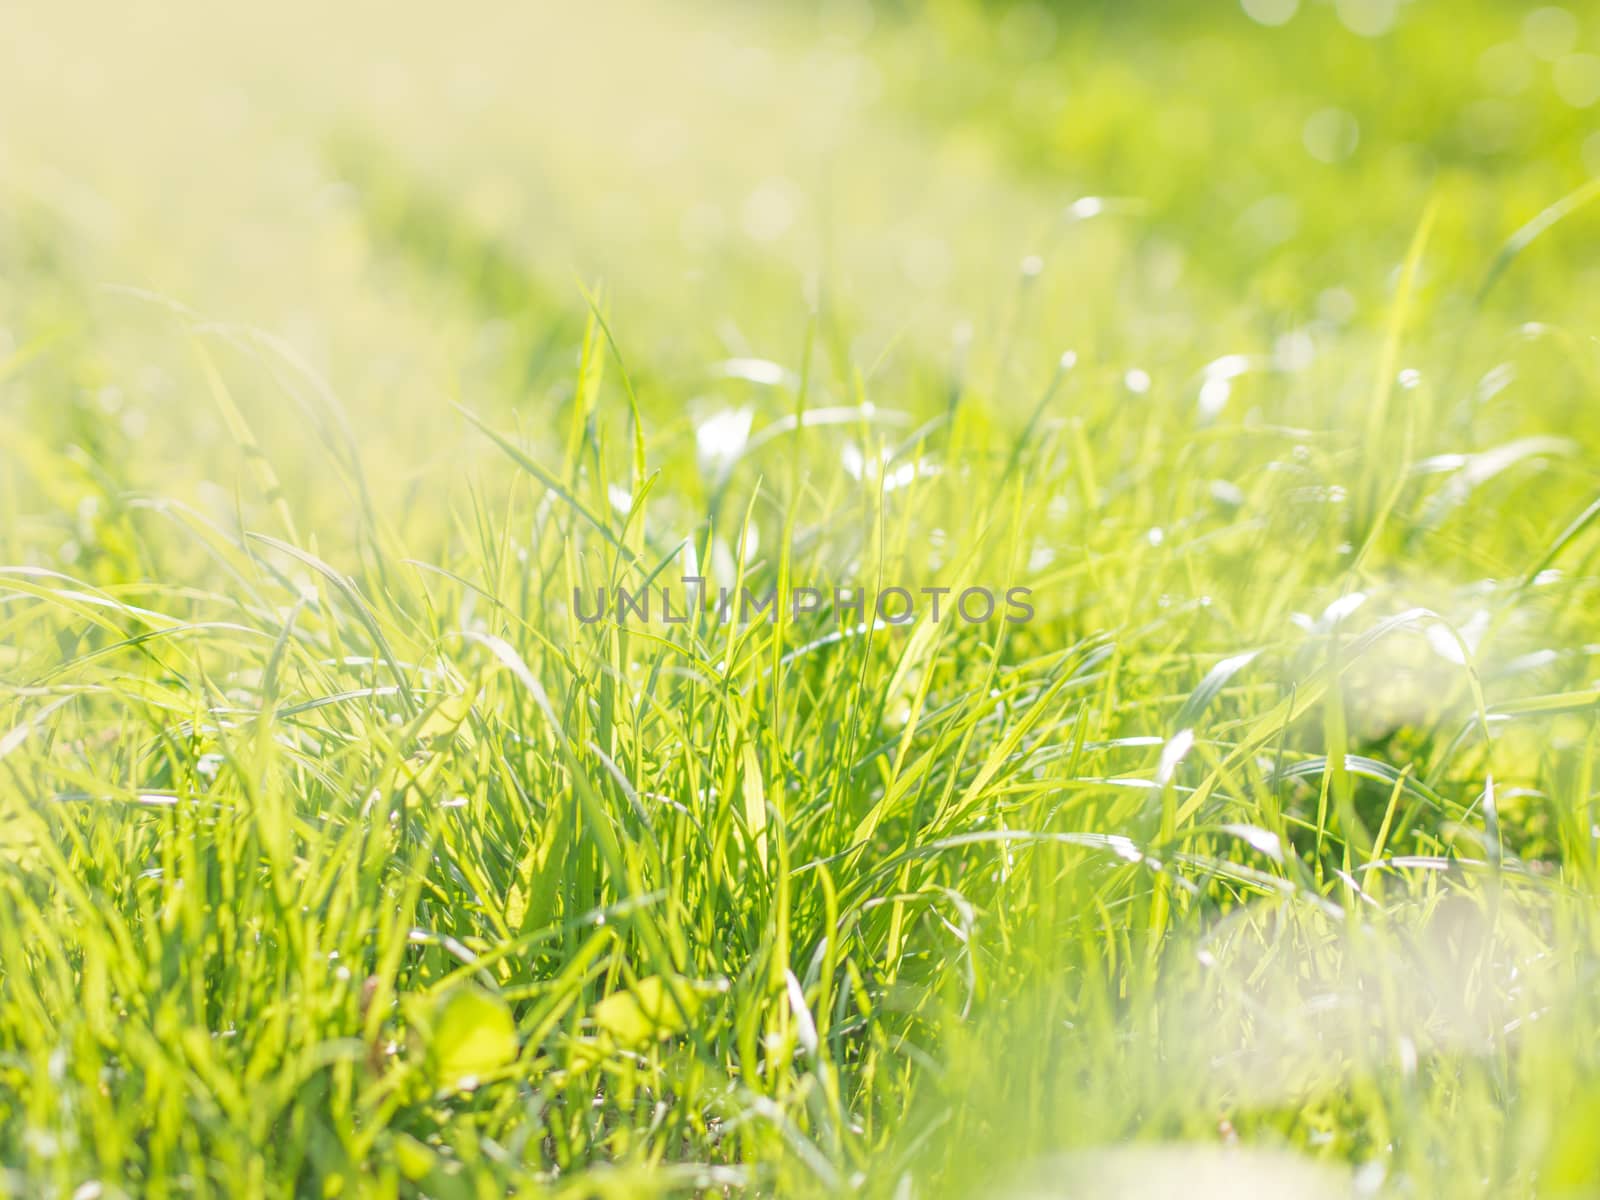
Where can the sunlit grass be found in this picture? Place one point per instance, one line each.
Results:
(341, 855)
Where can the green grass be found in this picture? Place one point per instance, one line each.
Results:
(339, 857)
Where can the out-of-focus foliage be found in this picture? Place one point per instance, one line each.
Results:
(339, 345)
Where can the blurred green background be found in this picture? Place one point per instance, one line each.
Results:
(1212, 322)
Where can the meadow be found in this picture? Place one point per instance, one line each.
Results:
(349, 354)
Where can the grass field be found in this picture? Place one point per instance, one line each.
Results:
(350, 355)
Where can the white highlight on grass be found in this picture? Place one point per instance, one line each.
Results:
(1227, 493)
(1270, 12)
(1172, 754)
(862, 468)
(1218, 383)
(1341, 608)
(805, 1026)
(1471, 631)
(721, 438)
(1367, 18)
(1261, 840)
(758, 370)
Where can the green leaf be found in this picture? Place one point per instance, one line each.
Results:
(413, 1158)
(646, 1010)
(472, 1034)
